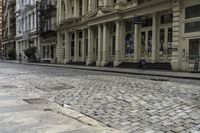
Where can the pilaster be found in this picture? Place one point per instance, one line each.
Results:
(104, 52)
(58, 48)
(83, 46)
(90, 46)
(76, 46)
(136, 43)
(99, 45)
(67, 48)
(118, 42)
(176, 31)
(154, 38)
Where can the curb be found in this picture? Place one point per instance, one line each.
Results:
(123, 71)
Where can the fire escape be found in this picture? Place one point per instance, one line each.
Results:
(46, 11)
(9, 23)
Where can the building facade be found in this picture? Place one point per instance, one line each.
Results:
(8, 29)
(46, 10)
(114, 32)
(26, 27)
(1, 14)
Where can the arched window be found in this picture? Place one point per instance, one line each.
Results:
(63, 10)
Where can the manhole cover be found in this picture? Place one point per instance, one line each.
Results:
(36, 101)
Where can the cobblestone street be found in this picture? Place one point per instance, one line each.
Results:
(126, 102)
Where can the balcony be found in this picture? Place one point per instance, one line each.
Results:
(29, 7)
(69, 19)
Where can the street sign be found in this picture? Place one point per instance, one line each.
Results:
(137, 20)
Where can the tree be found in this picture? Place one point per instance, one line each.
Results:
(30, 54)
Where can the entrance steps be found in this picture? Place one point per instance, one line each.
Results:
(109, 64)
(158, 65)
(77, 63)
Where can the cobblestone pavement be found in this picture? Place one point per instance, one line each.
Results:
(127, 102)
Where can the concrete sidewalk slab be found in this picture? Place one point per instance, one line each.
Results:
(20, 116)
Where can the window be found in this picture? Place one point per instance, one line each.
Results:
(192, 27)
(168, 18)
(192, 12)
(193, 48)
(142, 1)
(147, 22)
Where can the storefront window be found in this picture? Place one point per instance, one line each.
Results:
(48, 51)
(168, 18)
(44, 49)
(143, 42)
(52, 52)
(72, 44)
(129, 39)
(129, 44)
(169, 45)
(194, 48)
(147, 22)
(149, 43)
(80, 48)
(113, 45)
(192, 11)
(192, 27)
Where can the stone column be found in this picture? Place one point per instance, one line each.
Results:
(118, 44)
(76, 8)
(76, 46)
(154, 38)
(83, 46)
(90, 46)
(58, 13)
(136, 43)
(67, 48)
(17, 49)
(58, 51)
(99, 45)
(105, 3)
(84, 7)
(176, 39)
(90, 5)
(119, 4)
(104, 59)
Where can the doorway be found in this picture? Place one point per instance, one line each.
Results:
(165, 44)
(146, 44)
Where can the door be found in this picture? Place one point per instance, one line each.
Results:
(146, 45)
(165, 44)
(194, 52)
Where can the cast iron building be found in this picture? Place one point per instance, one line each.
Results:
(26, 26)
(1, 47)
(120, 32)
(46, 24)
(9, 28)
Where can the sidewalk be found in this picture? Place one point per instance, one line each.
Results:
(22, 114)
(160, 73)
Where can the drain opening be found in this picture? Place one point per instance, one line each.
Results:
(48, 110)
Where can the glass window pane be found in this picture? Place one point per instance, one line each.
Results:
(162, 39)
(192, 27)
(192, 11)
(143, 42)
(149, 42)
(194, 48)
